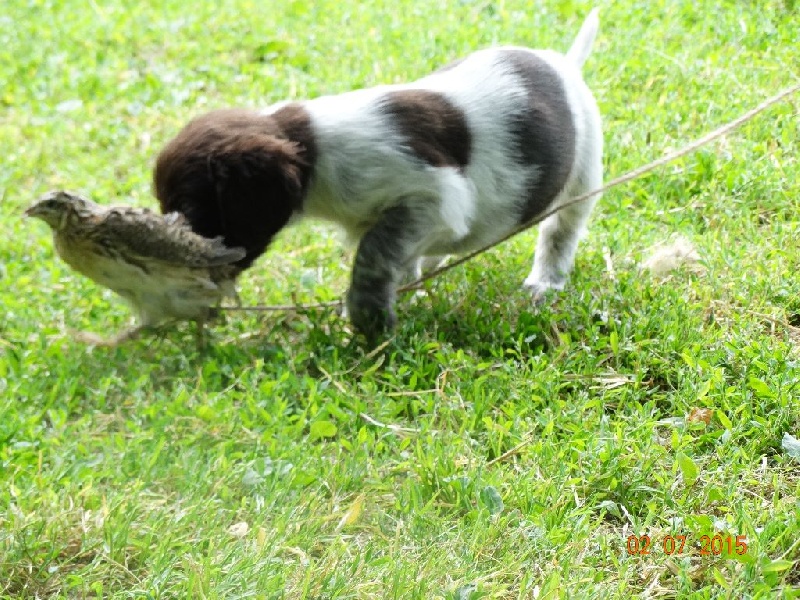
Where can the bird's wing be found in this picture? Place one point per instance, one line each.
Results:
(166, 238)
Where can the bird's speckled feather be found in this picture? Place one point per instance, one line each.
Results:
(165, 237)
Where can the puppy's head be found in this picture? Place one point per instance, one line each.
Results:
(234, 173)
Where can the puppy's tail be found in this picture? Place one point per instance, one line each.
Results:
(582, 45)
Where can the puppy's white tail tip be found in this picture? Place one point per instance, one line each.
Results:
(582, 46)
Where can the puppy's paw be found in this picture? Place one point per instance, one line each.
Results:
(373, 322)
(541, 290)
(370, 315)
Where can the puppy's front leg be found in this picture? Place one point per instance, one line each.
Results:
(383, 255)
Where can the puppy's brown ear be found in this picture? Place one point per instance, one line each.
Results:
(259, 185)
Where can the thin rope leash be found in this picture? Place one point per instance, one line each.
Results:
(629, 176)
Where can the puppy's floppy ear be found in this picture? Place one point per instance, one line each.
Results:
(258, 181)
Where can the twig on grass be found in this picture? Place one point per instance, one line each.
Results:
(509, 453)
(794, 331)
(390, 426)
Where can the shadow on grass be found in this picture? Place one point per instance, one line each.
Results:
(490, 321)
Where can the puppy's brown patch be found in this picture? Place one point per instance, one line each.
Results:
(544, 130)
(435, 129)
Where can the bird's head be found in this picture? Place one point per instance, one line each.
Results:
(59, 209)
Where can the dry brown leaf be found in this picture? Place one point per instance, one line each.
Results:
(666, 257)
(352, 514)
(261, 537)
(700, 414)
(239, 530)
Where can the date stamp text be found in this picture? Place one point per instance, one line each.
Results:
(705, 545)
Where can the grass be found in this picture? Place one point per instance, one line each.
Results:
(490, 449)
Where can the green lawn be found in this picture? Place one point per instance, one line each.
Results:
(490, 449)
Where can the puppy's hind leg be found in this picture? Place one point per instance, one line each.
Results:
(559, 235)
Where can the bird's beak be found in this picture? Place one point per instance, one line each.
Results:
(36, 211)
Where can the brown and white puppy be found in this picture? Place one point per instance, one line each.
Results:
(443, 165)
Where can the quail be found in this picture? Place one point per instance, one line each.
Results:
(155, 262)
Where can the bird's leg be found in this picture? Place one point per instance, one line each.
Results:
(200, 337)
(201, 320)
